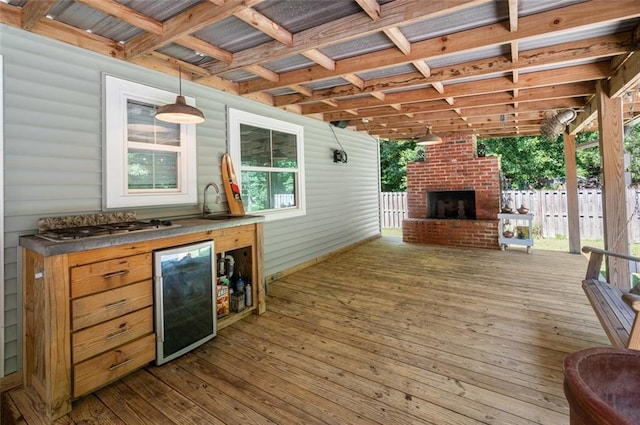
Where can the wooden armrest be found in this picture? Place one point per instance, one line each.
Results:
(593, 250)
(633, 301)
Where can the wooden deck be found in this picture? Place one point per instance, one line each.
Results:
(387, 333)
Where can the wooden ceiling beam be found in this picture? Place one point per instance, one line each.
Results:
(626, 77)
(398, 12)
(371, 8)
(611, 44)
(320, 58)
(398, 38)
(186, 23)
(594, 48)
(125, 14)
(474, 102)
(556, 78)
(197, 45)
(301, 89)
(355, 80)
(513, 15)
(78, 37)
(10, 15)
(546, 23)
(33, 11)
(265, 25)
(265, 73)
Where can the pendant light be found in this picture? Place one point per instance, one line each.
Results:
(429, 138)
(180, 112)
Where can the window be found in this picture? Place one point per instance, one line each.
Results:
(148, 162)
(268, 156)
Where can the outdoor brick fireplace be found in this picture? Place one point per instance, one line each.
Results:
(453, 196)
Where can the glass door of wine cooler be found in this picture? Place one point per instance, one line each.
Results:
(185, 299)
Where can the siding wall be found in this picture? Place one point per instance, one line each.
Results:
(53, 160)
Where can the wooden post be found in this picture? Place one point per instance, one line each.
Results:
(573, 213)
(614, 193)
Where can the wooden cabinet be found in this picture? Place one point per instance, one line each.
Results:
(88, 314)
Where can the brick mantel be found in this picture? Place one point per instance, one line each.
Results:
(451, 166)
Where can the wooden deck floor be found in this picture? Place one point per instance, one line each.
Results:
(387, 333)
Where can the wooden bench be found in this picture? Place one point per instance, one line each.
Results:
(617, 309)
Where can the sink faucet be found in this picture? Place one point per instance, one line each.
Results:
(205, 205)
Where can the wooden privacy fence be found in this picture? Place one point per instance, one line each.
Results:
(549, 208)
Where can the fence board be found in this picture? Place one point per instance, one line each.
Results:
(549, 208)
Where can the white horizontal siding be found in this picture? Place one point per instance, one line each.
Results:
(54, 166)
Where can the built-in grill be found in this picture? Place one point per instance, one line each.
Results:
(81, 232)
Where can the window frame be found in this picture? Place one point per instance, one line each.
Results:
(116, 194)
(237, 117)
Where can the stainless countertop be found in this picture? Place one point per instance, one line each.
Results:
(184, 226)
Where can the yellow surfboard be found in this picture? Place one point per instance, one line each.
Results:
(231, 188)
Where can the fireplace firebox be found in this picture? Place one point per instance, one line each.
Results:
(452, 204)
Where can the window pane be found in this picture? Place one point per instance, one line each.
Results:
(263, 190)
(255, 146)
(283, 190)
(285, 154)
(148, 170)
(255, 195)
(142, 126)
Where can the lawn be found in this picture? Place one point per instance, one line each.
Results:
(548, 244)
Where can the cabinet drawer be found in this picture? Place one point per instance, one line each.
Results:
(104, 275)
(106, 336)
(103, 306)
(107, 367)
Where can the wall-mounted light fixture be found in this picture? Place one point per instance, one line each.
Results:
(180, 112)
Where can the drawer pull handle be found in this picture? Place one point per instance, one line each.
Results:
(116, 304)
(117, 334)
(114, 274)
(116, 366)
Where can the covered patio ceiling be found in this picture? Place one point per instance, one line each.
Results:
(386, 67)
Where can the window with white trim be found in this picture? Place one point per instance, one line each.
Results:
(268, 156)
(148, 162)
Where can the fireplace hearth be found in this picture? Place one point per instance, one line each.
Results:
(453, 204)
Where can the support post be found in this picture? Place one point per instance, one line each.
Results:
(614, 194)
(573, 213)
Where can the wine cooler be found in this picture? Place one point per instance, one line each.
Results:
(185, 299)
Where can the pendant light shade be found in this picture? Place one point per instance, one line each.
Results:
(429, 138)
(180, 112)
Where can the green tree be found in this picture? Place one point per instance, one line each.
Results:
(394, 157)
(535, 162)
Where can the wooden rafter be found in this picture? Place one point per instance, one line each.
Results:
(379, 83)
(266, 25)
(33, 11)
(342, 30)
(371, 7)
(529, 26)
(126, 14)
(187, 22)
(583, 49)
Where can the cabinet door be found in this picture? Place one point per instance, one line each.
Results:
(110, 274)
(108, 335)
(97, 308)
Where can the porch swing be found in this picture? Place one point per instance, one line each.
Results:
(618, 309)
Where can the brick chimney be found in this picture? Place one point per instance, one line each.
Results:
(450, 167)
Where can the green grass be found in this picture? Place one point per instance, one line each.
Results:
(547, 244)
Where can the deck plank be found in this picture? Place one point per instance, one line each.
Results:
(385, 333)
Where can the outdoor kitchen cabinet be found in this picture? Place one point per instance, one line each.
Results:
(88, 314)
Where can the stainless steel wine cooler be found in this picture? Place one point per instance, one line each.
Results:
(185, 299)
